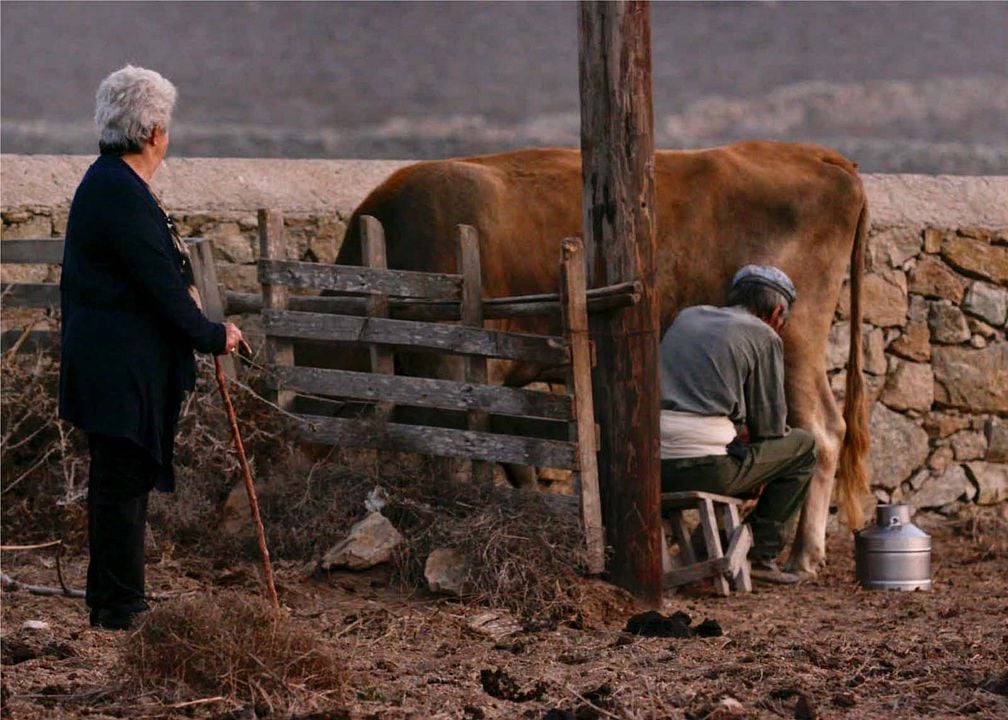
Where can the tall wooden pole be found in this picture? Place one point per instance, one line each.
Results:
(617, 152)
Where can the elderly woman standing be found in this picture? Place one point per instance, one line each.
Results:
(130, 325)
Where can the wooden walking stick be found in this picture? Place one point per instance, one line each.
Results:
(249, 487)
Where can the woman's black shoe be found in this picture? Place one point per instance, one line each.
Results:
(114, 619)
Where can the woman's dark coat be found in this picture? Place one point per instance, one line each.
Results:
(129, 323)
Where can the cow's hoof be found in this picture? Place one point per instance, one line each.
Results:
(805, 564)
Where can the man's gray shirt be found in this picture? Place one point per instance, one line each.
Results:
(725, 361)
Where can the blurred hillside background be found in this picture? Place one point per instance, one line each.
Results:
(898, 87)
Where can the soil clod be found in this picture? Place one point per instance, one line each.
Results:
(499, 684)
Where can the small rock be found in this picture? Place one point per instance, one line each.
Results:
(969, 445)
(947, 324)
(988, 302)
(35, 626)
(918, 478)
(918, 309)
(914, 343)
(991, 481)
(996, 431)
(932, 240)
(727, 707)
(978, 341)
(496, 624)
(940, 459)
(370, 542)
(979, 327)
(446, 572)
(941, 425)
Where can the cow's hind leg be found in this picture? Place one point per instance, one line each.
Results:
(816, 410)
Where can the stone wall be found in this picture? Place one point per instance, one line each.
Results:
(936, 294)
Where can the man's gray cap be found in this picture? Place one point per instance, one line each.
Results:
(767, 275)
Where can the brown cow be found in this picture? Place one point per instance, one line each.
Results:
(799, 207)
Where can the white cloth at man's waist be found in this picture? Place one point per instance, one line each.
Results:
(685, 435)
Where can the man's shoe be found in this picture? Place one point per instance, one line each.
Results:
(767, 571)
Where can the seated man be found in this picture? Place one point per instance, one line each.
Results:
(724, 416)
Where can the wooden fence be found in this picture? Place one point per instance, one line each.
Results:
(460, 296)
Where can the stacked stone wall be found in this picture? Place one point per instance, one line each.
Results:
(935, 296)
(936, 362)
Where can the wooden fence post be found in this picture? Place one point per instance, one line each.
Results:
(471, 311)
(574, 309)
(617, 152)
(279, 351)
(205, 272)
(373, 255)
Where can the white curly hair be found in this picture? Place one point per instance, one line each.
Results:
(128, 105)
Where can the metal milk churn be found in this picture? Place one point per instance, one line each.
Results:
(893, 554)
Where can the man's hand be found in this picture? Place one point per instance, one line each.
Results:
(234, 337)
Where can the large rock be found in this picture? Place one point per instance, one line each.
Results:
(914, 343)
(991, 480)
(987, 302)
(909, 386)
(933, 279)
(873, 343)
(446, 571)
(969, 445)
(976, 258)
(943, 489)
(370, 542)
(972, 380)
(898, 447)
(996, 431)
(883, 299)
(892, 247)
(947, 324)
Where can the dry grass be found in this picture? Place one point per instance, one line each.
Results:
(523, 552)
(234, 645)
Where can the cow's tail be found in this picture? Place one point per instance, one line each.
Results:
(852, 475)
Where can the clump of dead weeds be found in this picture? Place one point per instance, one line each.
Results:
(523, 550)
(235, 646)
(987, 529)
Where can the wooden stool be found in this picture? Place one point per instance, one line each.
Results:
(728, 567)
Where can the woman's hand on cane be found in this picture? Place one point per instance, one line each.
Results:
(234, 338)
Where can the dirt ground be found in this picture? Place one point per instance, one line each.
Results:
(824, 649)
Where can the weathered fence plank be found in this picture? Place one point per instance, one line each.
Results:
(471, 312)
(205, 274)
(575, 320)
(373, 252)
(32, 252)
(30, 295)
(426, 392)
(279, 350)
(608, 298)
(542, 349)
(358, 279)
(442, 442)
